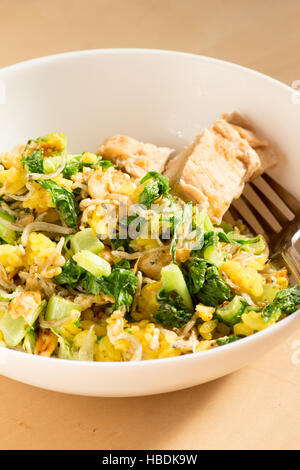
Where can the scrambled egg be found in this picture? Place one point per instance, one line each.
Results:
(207, 328)
(12, 258)
(204, 312)
(147, 301)
(155, 342)
(245, 277)
(101, 184)
(250, 323)
(40, 199)
(11, 160)
(12, 180)
(119, 317)
(41, 251)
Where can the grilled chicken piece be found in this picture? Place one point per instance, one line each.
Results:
(268, 157)
(152, 264)
(213, 170)
(135, 157)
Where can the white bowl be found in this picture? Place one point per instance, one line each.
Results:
(161, 97)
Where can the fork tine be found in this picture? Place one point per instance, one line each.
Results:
(247, 214)
(271, 199)
(262, 209)
(286, 196)
(229, 217)
(267, 227)
(235, 215)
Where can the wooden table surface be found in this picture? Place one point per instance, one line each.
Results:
(255, 408)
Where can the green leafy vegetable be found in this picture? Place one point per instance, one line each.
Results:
(120, 284)
(77, 277)
(256, 244)
(230, 339)
(210, 239)
(76, 164)
(64, 202)
(118, 242)
(72, 166)
(157, 186)
(175, 303)
(286, 301)
(172, 311)
(71, 274)
(34, 162)
(242, 239)
(196, 271)
(205, 283)
(105, 164)
(214, 291)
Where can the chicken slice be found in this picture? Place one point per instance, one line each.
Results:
(267, 155)
(213, 170)
(135, 157)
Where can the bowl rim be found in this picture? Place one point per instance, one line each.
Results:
(114, 50)
(184, 357)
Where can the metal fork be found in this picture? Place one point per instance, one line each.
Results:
(267, 207)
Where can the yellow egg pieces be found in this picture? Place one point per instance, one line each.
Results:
(42, 252)
(11, 258)
(245, 277)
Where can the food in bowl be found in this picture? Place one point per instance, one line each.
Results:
(126, 254)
